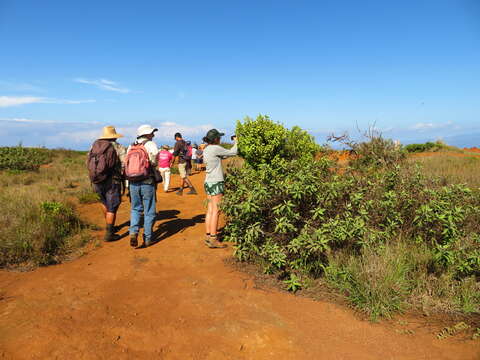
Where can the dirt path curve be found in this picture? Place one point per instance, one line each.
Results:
(178, 300)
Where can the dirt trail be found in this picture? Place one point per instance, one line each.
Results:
(178, 300)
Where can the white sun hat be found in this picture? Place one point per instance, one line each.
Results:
(145, 130)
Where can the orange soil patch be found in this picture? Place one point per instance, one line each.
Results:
(179, 300)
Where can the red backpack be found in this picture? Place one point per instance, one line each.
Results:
(101, 161)
(137, 163)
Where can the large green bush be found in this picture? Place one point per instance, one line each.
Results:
(263, 141)
(384, 235)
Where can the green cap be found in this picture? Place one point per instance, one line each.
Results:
(213, 134)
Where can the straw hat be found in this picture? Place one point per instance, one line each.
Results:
(109, 132)
(166, 147)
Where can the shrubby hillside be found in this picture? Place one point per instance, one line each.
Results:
(378, 231)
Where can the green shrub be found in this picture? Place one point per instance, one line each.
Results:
(39, 234)
(379, 230)
(22, 158)
(429, 146)
(263, 141)
(418, 148)
(260, 141)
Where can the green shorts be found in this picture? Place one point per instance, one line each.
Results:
(215, 188)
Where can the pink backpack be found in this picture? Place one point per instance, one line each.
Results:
(137, 163)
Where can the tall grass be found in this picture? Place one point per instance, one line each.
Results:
(452, 169)
(39, 225)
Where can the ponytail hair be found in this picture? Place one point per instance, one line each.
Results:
(208, 141)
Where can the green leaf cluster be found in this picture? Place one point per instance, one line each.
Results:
(263, 141)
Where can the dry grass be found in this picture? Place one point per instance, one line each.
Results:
(452, 168)
(39, 225)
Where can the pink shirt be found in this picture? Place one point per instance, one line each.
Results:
(164, 159)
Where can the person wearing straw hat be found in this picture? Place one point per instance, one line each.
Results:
(104, 164)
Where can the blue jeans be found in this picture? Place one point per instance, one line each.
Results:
(143, 199)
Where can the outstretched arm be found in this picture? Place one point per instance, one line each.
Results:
(224, 153)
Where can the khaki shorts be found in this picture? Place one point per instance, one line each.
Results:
(182, 170)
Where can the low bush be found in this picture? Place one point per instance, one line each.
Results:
(40, 234)
(430, 147)
(23, 158)
(378, 231)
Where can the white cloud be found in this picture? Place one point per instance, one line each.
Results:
(20, 87)
(168, 129)
(64, 101)
(40, 122)
(104, 84)
(431, 125)
(81, 134)
(8, 101)
(165, 133)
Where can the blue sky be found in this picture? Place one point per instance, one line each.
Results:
(67, 68)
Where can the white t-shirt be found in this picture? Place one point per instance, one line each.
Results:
(194, 153)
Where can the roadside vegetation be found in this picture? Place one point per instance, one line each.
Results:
(428, 147)
(38, 190)
(22, 158)
(379, 230)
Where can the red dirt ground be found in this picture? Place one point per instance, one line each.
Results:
(473, 149)
(179, 300)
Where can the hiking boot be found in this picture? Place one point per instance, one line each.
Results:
(192, 192)
(213, 243)
(145, 244)
(110, 234)
(133, 240)
(111, 237)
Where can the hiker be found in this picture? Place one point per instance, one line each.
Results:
(104, 164)
(188, 158)
(214, 182)
(140, 166)
(194, 156)
(165, 160)
(199, 158)
(180, 151)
